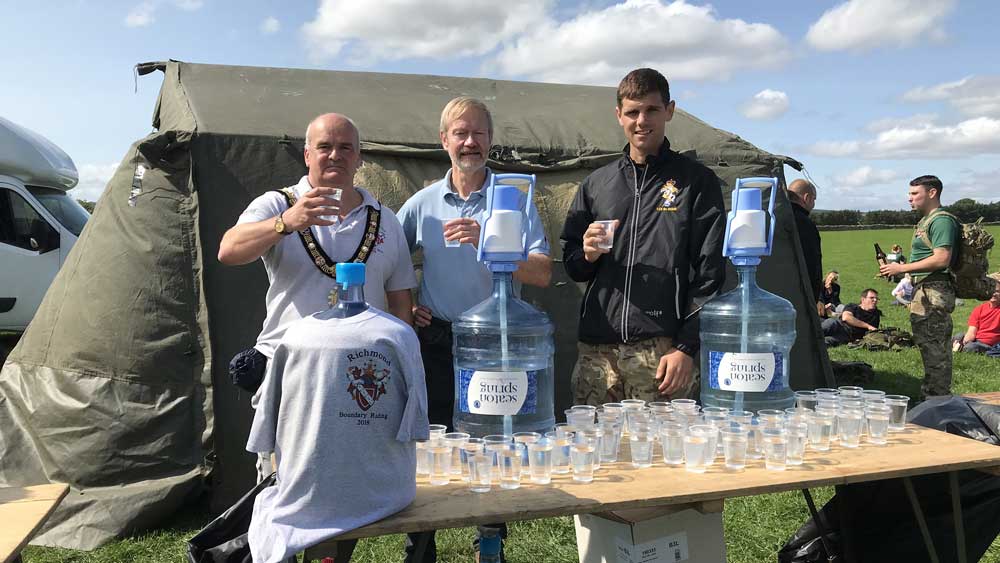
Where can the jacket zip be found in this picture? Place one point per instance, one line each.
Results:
(630, 261)
(677, 294)
(586, 298)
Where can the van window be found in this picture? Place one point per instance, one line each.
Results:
(63, 207)
(20, 223)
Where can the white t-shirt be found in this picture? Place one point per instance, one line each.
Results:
(341, 404)
(297, 287)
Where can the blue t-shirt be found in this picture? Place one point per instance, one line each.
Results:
(453, 280)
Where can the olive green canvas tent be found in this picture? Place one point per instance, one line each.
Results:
(119, 386)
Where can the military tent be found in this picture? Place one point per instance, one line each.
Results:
(119, 387)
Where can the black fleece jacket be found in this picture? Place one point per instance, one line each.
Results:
(667, 255)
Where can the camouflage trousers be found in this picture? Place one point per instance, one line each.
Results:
(608, 373)
(930, 318)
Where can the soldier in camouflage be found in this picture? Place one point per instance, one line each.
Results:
(934, 293)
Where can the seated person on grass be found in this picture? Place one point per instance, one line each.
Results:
(856, 320)
(984, 325)
(829, 296)
(903, 291)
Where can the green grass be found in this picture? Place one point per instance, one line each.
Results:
(756, 527)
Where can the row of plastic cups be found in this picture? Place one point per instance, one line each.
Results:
(851, 396)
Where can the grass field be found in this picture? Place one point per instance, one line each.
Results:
(756, 527)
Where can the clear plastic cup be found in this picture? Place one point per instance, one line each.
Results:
(873, 396)
(820, 430)
(672, 442)
(336, 196)
(715, 411)
(849, 426)
(696, 443)
(806, 399)
(827, 392)
(540, 464)
(423, 457)
(660, 407)
(614, 408)
(755, 440)
(771, 417)
(641, 446)
(775, 448)
(582, 456)
(492, 445)
(612, 430)
(897, 415)
(629, 407)
(580, 418)
(719, 421)
(878, 415)
(471, 447)
(526, 438)
(437, 432)
(797, 434)
(455, 441)
(480, 472)
(563, 428)
(850, 391)
(510, 465)
(734, 446)
(609, 234)
(741, 417)
(440, 472)
(684, 404)
(593, 437)
(561, 444)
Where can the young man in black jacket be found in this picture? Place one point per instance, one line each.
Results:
(638, 320)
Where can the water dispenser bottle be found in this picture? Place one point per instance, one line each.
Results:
(747, 333)
(503, 346)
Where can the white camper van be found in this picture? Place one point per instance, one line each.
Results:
(39, 221)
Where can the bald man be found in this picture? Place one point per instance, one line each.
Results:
(301, 232)
(802, 194)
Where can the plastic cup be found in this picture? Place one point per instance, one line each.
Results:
(614, 408)
(437, 432)
(540, 461)
(873, 396)
(423, 457)
(820, 430)
(480, 472)
(526, 438)
(827, 392)
(594, 437)
(562, 428)
(609, 234)
(660, 407)
(878, 416)
(580, 418)
(672, 442)
(696, 443)
(849, 425)
(771, 417)
(509, 460)
(755, 440)
(492, 445)
(455, 441)
(612, 439)
(806, 399)
(561, 444)
(641, 446)
(684, 404)
(897, 414)
(850, 391)
(471, 447)
(775, 448)
(715, 411)
(797, 434)
(629, 408)
(335, 197)
(582, 455)
(734, 446)
(440, 471)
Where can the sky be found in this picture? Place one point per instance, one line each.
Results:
(866, 93)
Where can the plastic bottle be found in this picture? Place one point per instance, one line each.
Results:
(503, 346)
(489, 545)
(747, 333)
(350, 290)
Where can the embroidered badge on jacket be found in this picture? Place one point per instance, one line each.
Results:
(669, 193)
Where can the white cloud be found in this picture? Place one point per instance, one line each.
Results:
(93, 179)
(140, 15)
(681, 40)
(270, 25)
(887, 123)
(439, 29)
(866, 24)
(972, 95)
(978, 185)
(926, 140)
(189, 5)
(766, 104)
(865, 176)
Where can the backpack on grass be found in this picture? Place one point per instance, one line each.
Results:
(970, 263)
(884, 339)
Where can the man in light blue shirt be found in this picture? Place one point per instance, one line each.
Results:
(453, 209)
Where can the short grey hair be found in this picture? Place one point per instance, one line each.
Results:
(456, 107)
(349, 120)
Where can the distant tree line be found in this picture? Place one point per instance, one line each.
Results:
(967, 210)
(88, 205)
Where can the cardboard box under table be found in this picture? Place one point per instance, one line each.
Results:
(616, 487)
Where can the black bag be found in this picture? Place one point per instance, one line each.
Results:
(247, 369)
(224, 540)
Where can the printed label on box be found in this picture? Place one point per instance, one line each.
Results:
(734, 371)
(498, 392)
(671, 549)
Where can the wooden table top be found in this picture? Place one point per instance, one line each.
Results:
(23, 510)
(915, 451)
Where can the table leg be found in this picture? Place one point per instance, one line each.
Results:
(418, 553)
(956, 511)
(911, 493)
(831, 557)
(846, 523)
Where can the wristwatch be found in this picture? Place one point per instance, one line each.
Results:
(279, 226)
